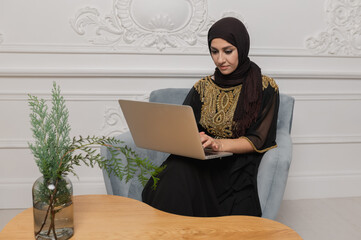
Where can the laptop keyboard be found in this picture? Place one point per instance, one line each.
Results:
(208, 151)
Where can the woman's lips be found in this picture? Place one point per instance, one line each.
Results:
(223, 67)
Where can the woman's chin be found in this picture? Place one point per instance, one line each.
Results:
(226, 72)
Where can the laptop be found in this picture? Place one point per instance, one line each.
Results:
(166, 128)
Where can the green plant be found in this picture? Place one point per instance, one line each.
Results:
(56, 154)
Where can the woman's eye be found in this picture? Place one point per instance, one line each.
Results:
(214, 51)
(228, 52)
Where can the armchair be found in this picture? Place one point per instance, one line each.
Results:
(273, 170)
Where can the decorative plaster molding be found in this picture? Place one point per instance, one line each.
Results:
(141, 96)
(77, 96)
(340, 139)
(147, 24)
(114, 121)
(116, 125)
(332, 186)
(316, 97)
(14, 144)
(343, 34)
(104, 49)
(143, 25)
(166, 73)
(15, 191)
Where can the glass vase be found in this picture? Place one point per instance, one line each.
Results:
(53, 208)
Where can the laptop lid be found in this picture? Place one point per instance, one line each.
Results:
(165, 127)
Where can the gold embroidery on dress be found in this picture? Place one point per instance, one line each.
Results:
(266, 81)
(218, 107)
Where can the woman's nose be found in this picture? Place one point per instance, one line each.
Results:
(220, 58)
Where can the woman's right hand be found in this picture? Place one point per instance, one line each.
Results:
(209, 142)
(238, 145)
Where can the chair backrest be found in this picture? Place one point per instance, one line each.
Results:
(177, 96)
(169, 95)
(285, 112)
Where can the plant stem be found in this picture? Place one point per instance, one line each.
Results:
(50, 208)
(52, 225)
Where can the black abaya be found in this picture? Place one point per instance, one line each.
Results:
(218, 187)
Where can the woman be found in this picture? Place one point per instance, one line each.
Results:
(236, 111)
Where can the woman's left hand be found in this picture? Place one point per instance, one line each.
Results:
(209, 142)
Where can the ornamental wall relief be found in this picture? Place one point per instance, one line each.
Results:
(143, 25)
(343, 34)
(114, 122)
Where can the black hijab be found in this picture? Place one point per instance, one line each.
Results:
(247, 73)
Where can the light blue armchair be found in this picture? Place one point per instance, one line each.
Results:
(273, 170)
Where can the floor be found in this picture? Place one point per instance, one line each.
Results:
(318, 219)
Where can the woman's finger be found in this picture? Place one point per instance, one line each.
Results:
(207, 143)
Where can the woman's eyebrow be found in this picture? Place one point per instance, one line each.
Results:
(228, 47)
(224, 48)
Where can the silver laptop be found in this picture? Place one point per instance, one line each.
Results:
(166, 128)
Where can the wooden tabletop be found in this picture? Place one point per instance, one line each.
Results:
(114, 217)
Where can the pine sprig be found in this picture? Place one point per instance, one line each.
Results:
(56, 154)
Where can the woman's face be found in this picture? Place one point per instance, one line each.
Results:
(224, 55)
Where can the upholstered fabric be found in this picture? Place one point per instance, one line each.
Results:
(273, 170)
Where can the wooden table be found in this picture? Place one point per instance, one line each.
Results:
(114, 217)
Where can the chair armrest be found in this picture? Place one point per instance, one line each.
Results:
(273, 174)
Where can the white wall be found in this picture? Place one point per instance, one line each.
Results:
(99, 51)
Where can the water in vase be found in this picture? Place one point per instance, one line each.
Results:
(63, 222)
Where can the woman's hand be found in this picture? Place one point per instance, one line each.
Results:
(209, 142)
(238, 145)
